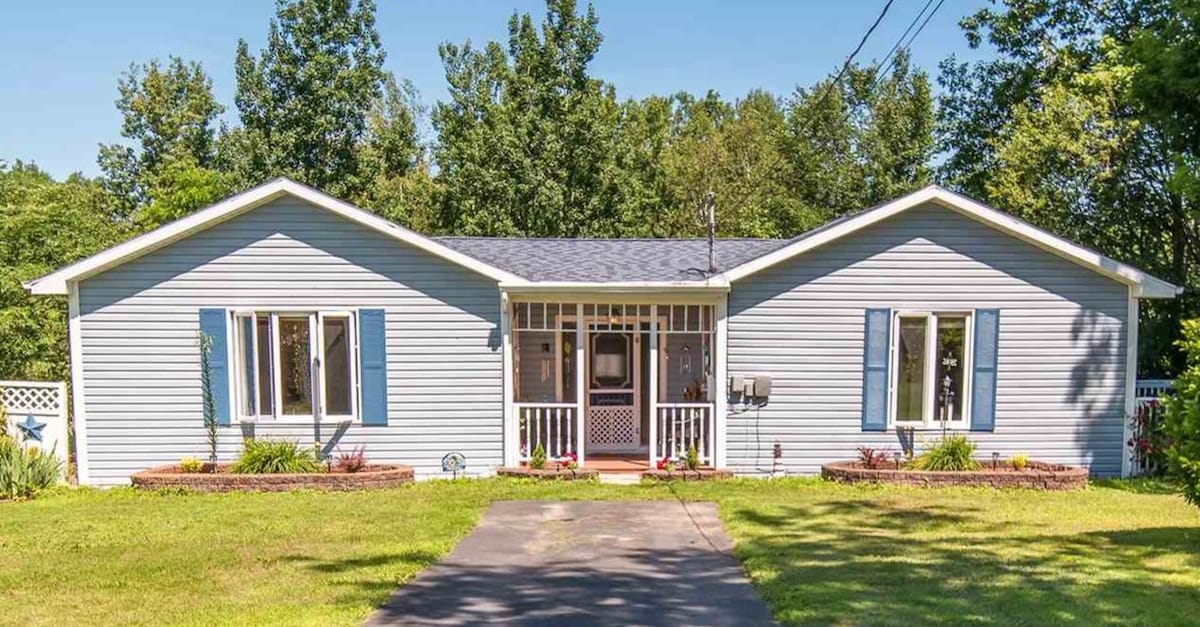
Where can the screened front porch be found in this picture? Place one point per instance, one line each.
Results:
(613, 380)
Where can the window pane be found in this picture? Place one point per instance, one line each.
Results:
(266, 376)
(295, 366)
(246, 380)
(951, 347)
(910, 375)
(338, 360)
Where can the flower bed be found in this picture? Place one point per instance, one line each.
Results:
(555, 474)
(373, 476)
(682, 474)
(1036, 475)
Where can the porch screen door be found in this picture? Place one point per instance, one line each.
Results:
(614, 422)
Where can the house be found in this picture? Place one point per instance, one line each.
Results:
(331, 324)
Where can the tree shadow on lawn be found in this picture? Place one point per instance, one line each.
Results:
(694, 586)
(862, 562)
(361, 577)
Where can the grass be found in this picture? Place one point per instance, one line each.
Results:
(819, 553)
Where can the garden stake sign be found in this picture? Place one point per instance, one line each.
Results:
(454, 462)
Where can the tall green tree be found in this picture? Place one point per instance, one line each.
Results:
(44, 224)
(305, 102)
(866, 139)
(525, 141)
(1051, 129)
(168, 116)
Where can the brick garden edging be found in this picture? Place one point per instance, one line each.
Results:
(551, 474)
(372, 477)
(1035, 476)
(703, 474)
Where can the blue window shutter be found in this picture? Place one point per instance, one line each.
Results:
(212, 324)
(372, 355)
(983, 370)
(876, 359)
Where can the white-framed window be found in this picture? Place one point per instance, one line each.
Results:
(931, 370)
(295, 364)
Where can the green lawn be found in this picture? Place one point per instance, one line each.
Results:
(819, 553)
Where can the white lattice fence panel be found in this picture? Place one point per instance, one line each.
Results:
(614, 428)
(42, 407)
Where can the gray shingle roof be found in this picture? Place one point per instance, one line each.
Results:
(555, 259)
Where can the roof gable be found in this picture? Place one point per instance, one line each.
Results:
(1144, 285)
(57, 281)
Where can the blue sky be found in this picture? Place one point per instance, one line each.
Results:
(60, 59)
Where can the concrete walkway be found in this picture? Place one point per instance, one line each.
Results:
(584, 563)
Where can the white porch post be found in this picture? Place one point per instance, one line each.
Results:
(511, 438)
(580, 382)
(721, 383)
(653, 392)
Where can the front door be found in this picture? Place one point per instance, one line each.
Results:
(614, 398)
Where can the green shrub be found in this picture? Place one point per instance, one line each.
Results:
(692, 460)
(268, 457)
(25, 471)
(537, 460)
(952, 452)
(190, 465)
(1019, 461)
(1181, 419)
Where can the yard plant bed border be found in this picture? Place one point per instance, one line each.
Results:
(1036, 476)
(552, 474)
(702, 474)
(374, 476)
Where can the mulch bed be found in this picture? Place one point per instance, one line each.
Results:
(552, 474)
(702, 474)
(219, 479)
(1036, 476)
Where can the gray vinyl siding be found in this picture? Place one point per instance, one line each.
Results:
(141, 364)
(1061, 368)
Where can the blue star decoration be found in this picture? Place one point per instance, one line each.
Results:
(31, 428)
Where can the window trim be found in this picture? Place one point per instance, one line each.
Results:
(929, 419)
(316, 318)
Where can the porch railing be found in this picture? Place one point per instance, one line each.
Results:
(553, 425)
(1146, 390)
(681, 426)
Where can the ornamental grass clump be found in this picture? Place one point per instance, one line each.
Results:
(951, 453)
(25, 471)
(272, 457)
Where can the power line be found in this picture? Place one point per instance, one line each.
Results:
(879, 76)
(850, 59)
(896, 46)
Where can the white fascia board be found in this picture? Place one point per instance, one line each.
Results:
(1146, 286)
(56, 282)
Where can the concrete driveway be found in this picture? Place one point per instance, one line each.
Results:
(584, 563)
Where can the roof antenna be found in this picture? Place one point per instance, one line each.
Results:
(708, 215)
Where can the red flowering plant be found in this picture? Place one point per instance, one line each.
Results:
(354, 461)
(666, 463)
(872, 458)
(569, 460)
(1148, 439)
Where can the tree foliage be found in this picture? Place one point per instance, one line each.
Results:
(1056, 129)
(43, 225)
(168, 114)
(1181, 418)
(306, 102)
